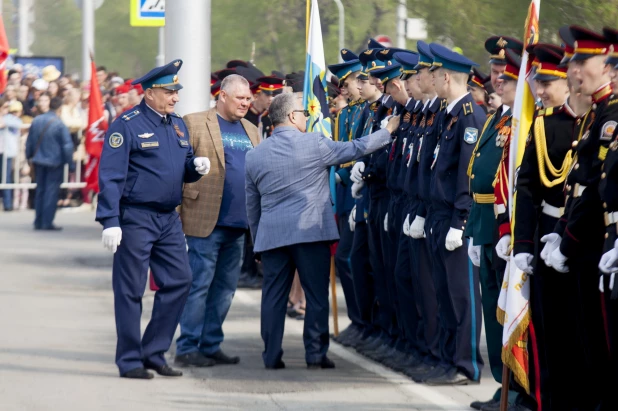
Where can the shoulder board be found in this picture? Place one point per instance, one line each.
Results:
(467, 108)
(130, 115)
(176, 115)
(613, 99)
(546, 112)
(443, 104)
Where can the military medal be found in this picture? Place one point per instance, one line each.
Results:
(406, 118)
(503, 136)
(178, 132)
(430, 121)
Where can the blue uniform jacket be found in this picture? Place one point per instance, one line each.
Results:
(56, 147)
(450, 184)
(144, 163)
(395, 174)
(410, 160)
(347, 122)
(427, 139)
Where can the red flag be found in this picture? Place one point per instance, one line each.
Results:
(4, 54)
(95, 132)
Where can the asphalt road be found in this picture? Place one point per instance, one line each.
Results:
(57, 343)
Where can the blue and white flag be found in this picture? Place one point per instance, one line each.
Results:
(314, 91)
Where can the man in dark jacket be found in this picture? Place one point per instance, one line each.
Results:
(49, 147)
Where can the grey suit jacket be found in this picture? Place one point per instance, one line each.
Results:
(287, 185)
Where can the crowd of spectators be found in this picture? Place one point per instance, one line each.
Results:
(27, 96)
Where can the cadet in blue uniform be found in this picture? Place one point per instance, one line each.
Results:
(145, 161)
(421, 219)
(413, 271)
(346, 122)
(395, 88)
(458, 293)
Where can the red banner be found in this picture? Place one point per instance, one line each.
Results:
(4, 54)
(95, 132)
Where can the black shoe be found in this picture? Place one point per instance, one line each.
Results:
(138, 374)
(452, 377)
(252, 283)
(478, 405)
(435, 372)
(164, 370)
(326, 363)
(517, 407)
(494, 406)
(193, 359)
(51, 228)
(220, 358)
(278, 366)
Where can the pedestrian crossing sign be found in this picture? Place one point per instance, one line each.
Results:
(147, 13)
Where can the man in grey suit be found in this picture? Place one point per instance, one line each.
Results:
(292, 223)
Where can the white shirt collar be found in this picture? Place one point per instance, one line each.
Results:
(417, 103)
(451, 105)
(159, 114)
(505, 108)
(408, 102)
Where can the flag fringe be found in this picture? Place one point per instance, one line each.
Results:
(519, 334)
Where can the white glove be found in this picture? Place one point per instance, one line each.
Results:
(406, 226)
(417, 229)
(351, 219)
(454, 239)
(202, 165)
(602, 285)
(337, 178)
(552, 241)
(386, 222)
(558, 261)
(111, 238)
(523, 262)
(384, 122)
(357, 172)
(356, 190)
(474, 252)
(503, 246)
(609, 260)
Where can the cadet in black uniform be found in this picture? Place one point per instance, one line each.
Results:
(576, 245)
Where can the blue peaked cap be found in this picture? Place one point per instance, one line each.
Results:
(343, 70)
(408, 61)
(348, 55)
(446, 58)
(387, 73)
(425, 56)
(162, 77)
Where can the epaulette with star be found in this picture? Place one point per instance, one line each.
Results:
(613, 99)
(443, 105)
(130, 115)
(467, 108)
(546, 112)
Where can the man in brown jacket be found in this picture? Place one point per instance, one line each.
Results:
(214, 220)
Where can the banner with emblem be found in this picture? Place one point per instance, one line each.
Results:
(513, 304)
(95, 132)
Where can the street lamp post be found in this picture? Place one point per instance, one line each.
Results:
(341, 27)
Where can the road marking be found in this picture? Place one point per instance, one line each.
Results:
(405, 384)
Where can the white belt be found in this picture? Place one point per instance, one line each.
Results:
(552, 211)
(611, 218)
(579, 190)
(499, 209)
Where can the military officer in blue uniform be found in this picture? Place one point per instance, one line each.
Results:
(145, 161)
(346, 123)
(457, 291)
(421, 218)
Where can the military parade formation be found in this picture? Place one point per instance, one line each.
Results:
(425, 231)
(425, 228)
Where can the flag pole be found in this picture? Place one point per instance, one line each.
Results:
(504, 395)
(307, 25)
(333, 290)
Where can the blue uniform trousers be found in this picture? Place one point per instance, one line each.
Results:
(459, 302)
(389, 253)
(362, 278)
(48, 180)
(312, 260)
(344, 269)
(154, 239)
(383, 307)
